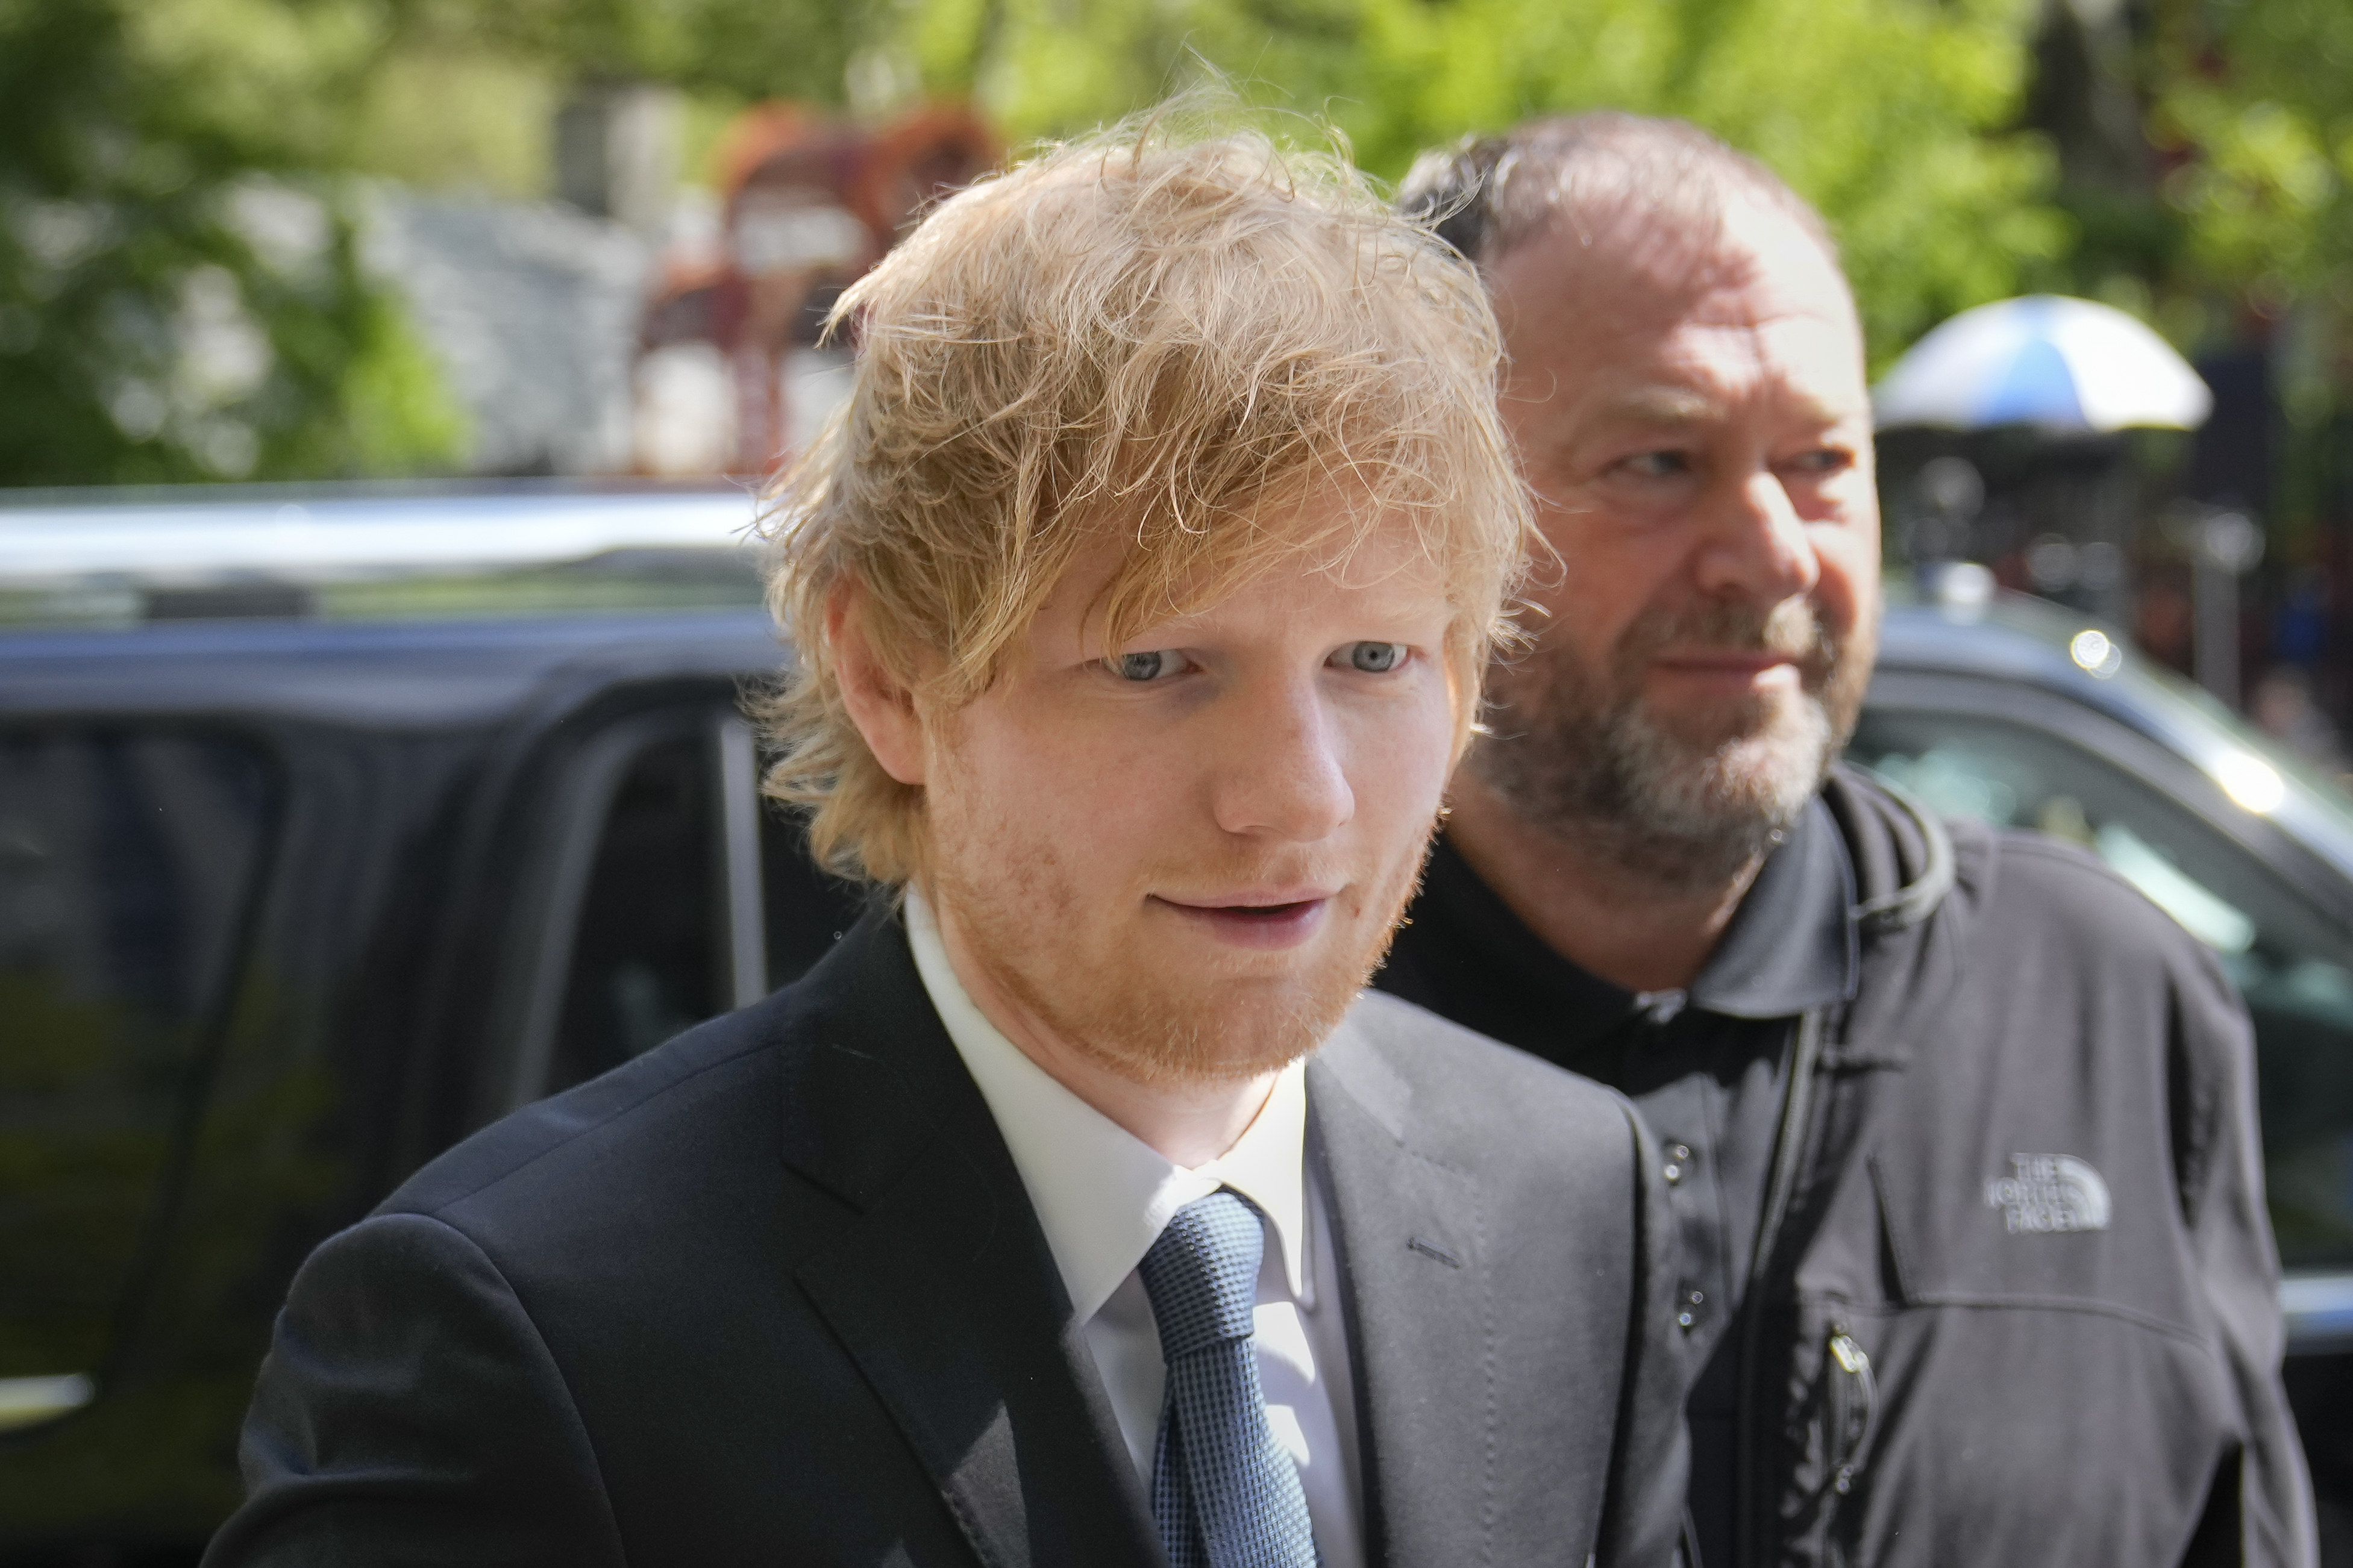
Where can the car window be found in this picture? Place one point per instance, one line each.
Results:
(696, 897)
(127, 862)
(649, 958)
(2293, 962)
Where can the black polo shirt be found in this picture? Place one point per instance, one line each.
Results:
(1705, 1068)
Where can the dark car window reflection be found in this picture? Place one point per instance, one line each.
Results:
(2293, 963)
(650, 954)
(126, 863)
(645, 959)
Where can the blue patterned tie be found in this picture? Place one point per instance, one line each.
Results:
(1224, 1493)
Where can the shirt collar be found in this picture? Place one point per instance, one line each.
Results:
(1103, 1196)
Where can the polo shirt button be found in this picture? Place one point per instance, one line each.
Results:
(1678, 1161)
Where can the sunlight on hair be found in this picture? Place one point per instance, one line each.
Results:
(1167, 332)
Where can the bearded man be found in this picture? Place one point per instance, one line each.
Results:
(1851, 1026)
(1075, 1210)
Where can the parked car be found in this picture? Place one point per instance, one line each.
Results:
(332, 827)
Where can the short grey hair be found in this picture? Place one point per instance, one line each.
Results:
(1488, 194)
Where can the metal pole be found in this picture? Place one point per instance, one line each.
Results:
(739, 815)
(2214, 593)
(2227, 546)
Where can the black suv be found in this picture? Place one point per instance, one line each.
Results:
(333, 827)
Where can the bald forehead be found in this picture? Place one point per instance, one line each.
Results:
(1644, 274)
(1677, 255)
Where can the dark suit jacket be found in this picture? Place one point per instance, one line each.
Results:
(773, 1293)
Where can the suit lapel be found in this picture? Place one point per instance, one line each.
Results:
(1414, 1262)
(944, 1290)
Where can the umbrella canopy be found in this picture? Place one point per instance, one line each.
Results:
(2061, 363)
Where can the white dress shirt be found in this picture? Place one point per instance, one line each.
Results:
(1103, 1197)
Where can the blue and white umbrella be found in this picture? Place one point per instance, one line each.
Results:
(2046, 359)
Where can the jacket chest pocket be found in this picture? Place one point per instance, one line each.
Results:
(1985, 1223)
(1935, 1435)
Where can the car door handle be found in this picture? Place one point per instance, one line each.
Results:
(24, 1401)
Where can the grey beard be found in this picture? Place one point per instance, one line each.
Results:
(1629, 794)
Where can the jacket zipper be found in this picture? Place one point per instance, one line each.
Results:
(1752, 1537)
(1855, 1407)
(1853, 1411)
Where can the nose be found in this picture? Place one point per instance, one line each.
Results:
(1281, 773)
(1756, 546)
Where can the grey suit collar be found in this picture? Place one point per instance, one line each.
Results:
(1415, 1278)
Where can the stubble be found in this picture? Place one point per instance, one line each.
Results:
(1577, 754)
(1170, 1011)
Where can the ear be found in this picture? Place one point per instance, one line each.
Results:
(880, 704)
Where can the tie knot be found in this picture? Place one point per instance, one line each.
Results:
(1202, 1274)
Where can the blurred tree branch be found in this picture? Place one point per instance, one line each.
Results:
(173, 171)
(180, 292)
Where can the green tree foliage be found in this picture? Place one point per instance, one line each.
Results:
(170, 170)
(1891, 115)
(181, 296)
(750, 48)
(2252, 108)
(2253, 105)
(2231, 222)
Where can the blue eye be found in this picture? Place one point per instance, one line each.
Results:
(1158, 665)
(1377, 657)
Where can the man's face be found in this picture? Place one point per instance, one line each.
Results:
(1184, 854)
(1693, 414)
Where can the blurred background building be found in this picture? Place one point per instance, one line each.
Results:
(312, 239)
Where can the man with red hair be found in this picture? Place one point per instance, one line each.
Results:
(1079, 1210)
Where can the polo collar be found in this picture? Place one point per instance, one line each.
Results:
(1793, 944)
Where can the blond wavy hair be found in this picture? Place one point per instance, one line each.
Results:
(1156, 332)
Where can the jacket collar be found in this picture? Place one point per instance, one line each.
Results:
(942, 1288)
(1903, 856)
(1415, 1284)
(1909, 866)
(1792, 944)
(944, 1292)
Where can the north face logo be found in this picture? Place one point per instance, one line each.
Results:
(2046, 1192)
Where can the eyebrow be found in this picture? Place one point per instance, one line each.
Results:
(1663, 405)
(1674, 405)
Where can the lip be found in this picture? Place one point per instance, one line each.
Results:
(1269, 919)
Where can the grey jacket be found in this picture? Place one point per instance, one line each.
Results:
(2018, 1302)
(773, 1293)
